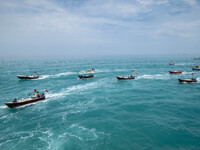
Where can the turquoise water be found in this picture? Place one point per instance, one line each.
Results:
(154, 111)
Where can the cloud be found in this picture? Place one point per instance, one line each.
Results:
(191, 2)
(95, 24)
(182, 29)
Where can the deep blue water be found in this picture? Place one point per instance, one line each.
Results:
(154, 111)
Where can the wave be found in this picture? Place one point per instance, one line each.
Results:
(82, 133)
(45, 135)
(56, 75)
(156, 76)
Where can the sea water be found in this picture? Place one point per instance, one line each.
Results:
(154, 111)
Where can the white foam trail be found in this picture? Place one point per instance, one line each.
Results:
(121, 70)
(187, 72)
(56, 95)
(198, 79)
(102, 70)
(76, 88)
(156, 76)
(72, 135)
(183, 64)
(3, 117)
(84, 133)
(23, 136)
(110, 70)
(3, 107)
(82, 87)
(56, 75)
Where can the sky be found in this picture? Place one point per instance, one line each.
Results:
(99, 27)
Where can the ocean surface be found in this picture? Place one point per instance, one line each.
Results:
(154, 111)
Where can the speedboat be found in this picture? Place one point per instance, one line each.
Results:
(85, 76)
(196, 69)
(125, 77)
(27, 77)
(175, 72)
(187, 80)
(21, 102)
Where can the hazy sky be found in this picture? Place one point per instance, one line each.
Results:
(98, 27)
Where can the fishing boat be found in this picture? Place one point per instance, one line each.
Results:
(85, 76)
(175, 72)
(196, 69)
(172, 63)
(197, 66)
(187, 80)
(27, 77)
(198, 58)
(125, 77)
(21, 102)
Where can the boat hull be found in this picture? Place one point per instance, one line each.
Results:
(27, 77)
(21, 103)
(125, 78)
(175, 72)
(85, 77)
(187, 80)
(197, 58)
(196, 69)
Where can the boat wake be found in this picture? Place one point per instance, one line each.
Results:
(102, 70)
(2, 107)
(56, 75)
(183, 64)
(110, 70)
(75, 89)
(156, 76)
(187, 72)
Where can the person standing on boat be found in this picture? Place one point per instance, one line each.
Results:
(38, 94)
(35, 92)
(15, 100)
(192, 76)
